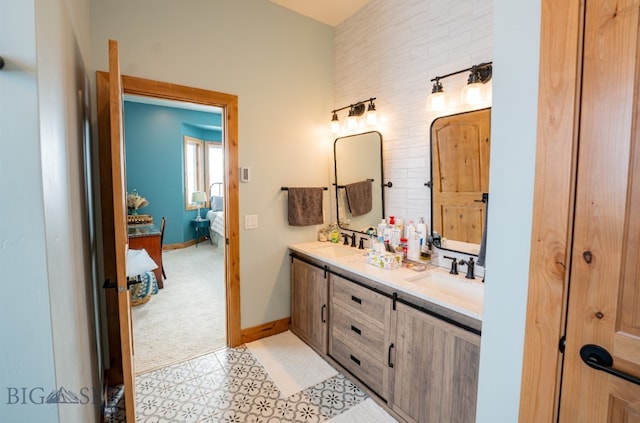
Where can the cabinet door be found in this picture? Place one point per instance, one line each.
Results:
(309, 292)
(435, 373)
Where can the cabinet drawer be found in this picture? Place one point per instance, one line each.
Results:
(361, 365)
(365, 336)
(355, 297)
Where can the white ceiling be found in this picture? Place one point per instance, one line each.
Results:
(330, 12)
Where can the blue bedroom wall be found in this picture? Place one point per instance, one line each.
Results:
(154, 160)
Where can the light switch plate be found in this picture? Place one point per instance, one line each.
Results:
(251, 221)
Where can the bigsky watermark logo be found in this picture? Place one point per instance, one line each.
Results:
(62, 395)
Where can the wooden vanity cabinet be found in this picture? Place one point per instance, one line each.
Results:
(435, 368)
(309, 293)
(359, 332)
(424, 366)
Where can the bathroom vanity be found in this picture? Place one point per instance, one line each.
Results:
(412, 338)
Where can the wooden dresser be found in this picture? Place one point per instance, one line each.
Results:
(147, 237)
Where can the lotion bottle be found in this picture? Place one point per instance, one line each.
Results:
(421, 227)
(409, 230)
(413, 248)
(382, 226)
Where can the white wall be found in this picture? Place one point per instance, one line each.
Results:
(279, 64)
(390, 50)
(63, 88)
(25, 323)
(513, 145)
(46, 309)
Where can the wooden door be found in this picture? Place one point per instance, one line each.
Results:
(604, 290)
(435, 369)
(309, 292)
(114, 227)
(460, 174)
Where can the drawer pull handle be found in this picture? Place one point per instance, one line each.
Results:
(356, 330)
(356, 299)
(389, 356)
(355, 360)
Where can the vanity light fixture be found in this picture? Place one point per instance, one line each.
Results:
(372, 115)
(472, 93)
(352, 119)
(355, 111)
(438, 99)
(335, 123)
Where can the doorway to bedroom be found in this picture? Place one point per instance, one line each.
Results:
(175, 152)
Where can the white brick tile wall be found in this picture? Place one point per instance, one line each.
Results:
(390, 50)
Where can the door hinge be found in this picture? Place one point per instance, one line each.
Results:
(562, 344)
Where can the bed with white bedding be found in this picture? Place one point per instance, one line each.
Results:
(216, 226)
(216, 214)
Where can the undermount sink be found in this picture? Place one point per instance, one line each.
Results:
(449, 287)
(336, 251)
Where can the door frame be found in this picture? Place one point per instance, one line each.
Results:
(114, 230)
(229, 105)
(556, 155)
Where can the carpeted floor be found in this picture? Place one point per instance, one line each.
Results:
(186, 318)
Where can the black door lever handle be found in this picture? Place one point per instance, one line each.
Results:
(108, 284)
(598, 358)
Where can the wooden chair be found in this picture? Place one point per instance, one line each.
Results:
(162, 224)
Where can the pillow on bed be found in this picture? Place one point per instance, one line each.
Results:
(216, 203)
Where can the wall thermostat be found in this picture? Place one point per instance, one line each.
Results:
(244, 174)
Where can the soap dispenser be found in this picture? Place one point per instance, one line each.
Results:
(334, 233)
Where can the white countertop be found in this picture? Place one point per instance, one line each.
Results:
(436, 285)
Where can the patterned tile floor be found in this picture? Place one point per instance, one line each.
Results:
(230, 386)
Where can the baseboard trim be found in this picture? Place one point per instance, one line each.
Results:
(265, 330)
(185, 244)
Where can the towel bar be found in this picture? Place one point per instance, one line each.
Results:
(287, 188)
